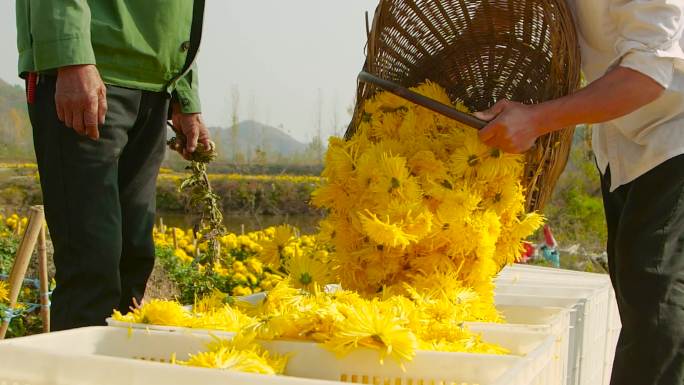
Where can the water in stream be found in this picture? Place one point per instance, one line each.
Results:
(307, 224)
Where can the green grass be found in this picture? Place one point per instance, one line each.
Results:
(575, 212)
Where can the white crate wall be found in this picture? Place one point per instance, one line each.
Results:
(600, 317)
(536, 273)
(614, 327)
(576, 307)
(590, 332)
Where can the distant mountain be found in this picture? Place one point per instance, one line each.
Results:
(16, 140)
(251, 135)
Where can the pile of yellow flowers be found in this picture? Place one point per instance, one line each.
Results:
(416, 198)
(396, 326)
(341, 320)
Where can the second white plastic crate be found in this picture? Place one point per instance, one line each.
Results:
(554, 321)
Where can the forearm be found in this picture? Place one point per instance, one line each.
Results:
(618, 93)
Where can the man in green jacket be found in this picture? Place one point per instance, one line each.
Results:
(101, 76)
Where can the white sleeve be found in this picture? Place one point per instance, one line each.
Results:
(649, 36)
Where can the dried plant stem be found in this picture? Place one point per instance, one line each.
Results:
(203, 201)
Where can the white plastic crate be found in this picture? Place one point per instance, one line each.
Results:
(546, 320)
(527, 272)
(102, 355)
(596, 323)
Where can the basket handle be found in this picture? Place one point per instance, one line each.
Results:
(414, 97)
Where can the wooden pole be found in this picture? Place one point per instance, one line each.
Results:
(175, 238)
(22, 258)
(44, 284)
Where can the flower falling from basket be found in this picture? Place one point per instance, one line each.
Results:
(417, 201)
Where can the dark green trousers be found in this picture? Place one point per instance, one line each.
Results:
(99, 201)
(646, 261)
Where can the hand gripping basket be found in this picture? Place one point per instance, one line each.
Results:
(481, 52)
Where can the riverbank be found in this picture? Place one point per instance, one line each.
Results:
(280, 196)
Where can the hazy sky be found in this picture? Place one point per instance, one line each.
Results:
(279, 54)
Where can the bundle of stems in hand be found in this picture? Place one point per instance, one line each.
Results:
(203, 201)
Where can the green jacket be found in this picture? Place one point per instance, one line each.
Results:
(140, 44)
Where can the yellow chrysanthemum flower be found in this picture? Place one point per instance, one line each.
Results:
(159, 312)
(306, 271)
(368, 325)
(497, 163)
(213, 301)
(240, 356)
(385, 233)
(4, 292)
(425, 164)
(467, 160)
(272, 249)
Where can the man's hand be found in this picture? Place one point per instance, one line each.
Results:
(81, 99)
(193, 128)
(513, 127)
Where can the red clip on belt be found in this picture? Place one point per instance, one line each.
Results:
(31, 87)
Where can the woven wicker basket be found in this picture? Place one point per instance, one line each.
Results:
(481, 52)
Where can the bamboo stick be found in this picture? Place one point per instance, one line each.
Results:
(23, 256)
(44, 283)
(175, 239)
